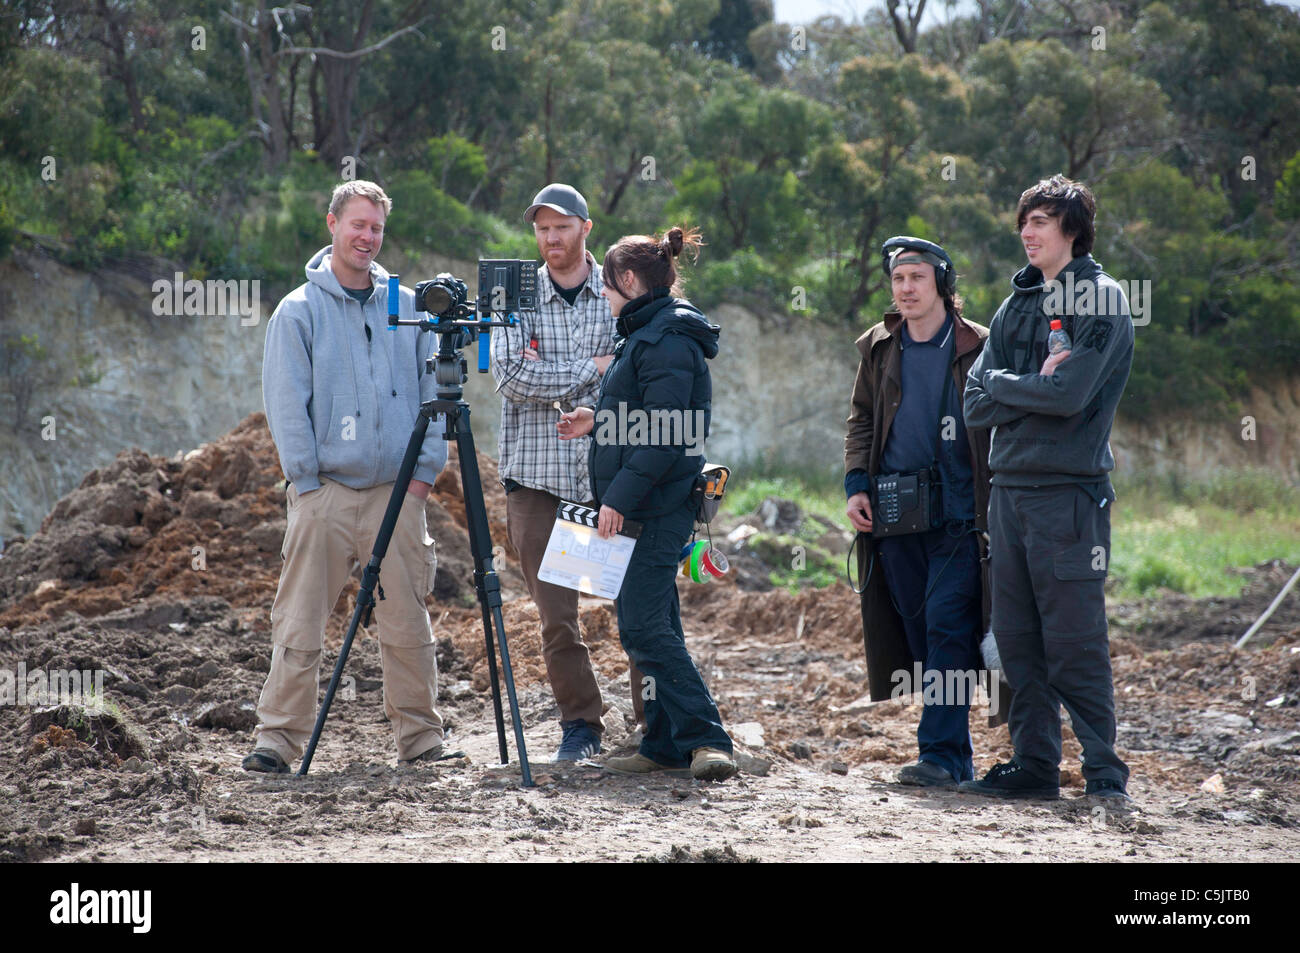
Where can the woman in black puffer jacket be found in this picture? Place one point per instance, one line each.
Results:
(650, 426)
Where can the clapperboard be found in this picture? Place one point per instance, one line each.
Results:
(577, 558)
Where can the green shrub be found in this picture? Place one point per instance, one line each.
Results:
(1153, 571)
(744, 278)
(426, 216)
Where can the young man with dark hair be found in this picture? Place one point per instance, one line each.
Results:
(923, 601)
(1049, 514)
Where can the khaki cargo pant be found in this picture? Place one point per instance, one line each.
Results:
(329, 529)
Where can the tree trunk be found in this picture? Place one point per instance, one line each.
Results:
(905, 27)
(341, 77)
(862, 262)
(547, 108)
(268, 90)
(122, 70)
(622, 181)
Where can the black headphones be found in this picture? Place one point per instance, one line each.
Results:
(945, 275)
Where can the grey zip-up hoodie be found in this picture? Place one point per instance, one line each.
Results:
(1053, 430)
(338, 405)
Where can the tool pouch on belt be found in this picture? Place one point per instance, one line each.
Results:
(708, 490)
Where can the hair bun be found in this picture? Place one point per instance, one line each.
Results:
(674, 241)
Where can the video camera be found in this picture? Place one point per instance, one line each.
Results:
(505, 286)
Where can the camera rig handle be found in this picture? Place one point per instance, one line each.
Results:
(455, 320)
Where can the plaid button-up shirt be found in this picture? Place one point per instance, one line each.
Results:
(568, 336)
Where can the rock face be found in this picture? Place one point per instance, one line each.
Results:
(168, 384)
(1264, 432)
(781, 391)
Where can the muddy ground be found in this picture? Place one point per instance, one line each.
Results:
(161, 573)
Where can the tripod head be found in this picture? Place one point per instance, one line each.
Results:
(511, 285)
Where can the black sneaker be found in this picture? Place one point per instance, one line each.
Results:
(926, 775)
(1106, 787)
(1010, 780)
(578, 741)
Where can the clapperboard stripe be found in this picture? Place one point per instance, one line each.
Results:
(577, 513)
(586, 516)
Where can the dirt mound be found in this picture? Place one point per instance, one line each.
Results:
(208, 523)
(1175, 619)
(81, 730)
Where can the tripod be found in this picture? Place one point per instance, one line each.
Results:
(450, 402)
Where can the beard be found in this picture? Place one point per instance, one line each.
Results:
(567, 258)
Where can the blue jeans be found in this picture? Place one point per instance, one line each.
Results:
(680, 714)
(944, 636)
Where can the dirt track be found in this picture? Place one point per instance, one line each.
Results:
(111, 583)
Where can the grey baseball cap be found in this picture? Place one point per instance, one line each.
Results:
(565, 199)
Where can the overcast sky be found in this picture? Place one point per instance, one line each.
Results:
(804, 11)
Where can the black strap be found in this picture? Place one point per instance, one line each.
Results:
(967, 527)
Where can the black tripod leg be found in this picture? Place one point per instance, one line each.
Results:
(492, 665)
(510, 688)
(370, 577)
(486, 581)
(365, 601)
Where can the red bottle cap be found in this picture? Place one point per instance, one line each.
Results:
(1056, 324)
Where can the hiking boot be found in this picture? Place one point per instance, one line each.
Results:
(710, 764)
(638, 764)
(1107, 788)
(923, 774)
(437, 753)
(578, 741)
(1010, 780)
(265, 761)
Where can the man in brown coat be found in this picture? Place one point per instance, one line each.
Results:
(923, 603)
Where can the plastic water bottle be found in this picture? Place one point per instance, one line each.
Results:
(1057, 340)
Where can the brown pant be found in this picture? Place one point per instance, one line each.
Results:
(329, 529)
(530, 516)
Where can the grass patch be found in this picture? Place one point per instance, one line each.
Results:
(819, 491)
(1186, 536)
(797, 561)
(1166, 533)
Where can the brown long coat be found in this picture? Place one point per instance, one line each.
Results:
(876, 396)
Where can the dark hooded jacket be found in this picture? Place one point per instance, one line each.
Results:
(1053, 430)
(660, 372)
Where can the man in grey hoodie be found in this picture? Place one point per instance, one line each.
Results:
(342, 391)
(1049, 518)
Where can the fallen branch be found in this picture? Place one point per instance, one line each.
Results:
(1269, 611)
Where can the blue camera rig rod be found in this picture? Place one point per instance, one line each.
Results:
(394, 300)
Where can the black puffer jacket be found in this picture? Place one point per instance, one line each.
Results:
(655, 407)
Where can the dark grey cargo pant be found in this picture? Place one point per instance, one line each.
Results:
(1049, 550)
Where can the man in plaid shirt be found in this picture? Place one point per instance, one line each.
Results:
(557, 353)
